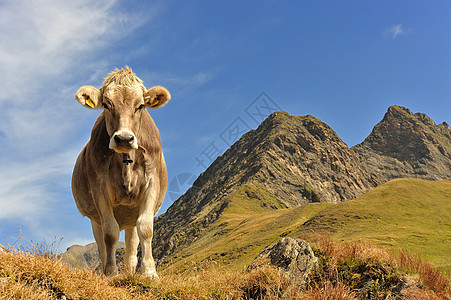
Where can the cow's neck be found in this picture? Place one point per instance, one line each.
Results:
(127, 171)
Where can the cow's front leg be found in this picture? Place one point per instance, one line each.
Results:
(131, 247)
(145, 232)
(98, 235)
(110, 230)
(144, 225)
(111, 236)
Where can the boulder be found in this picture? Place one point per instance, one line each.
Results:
(294, 258)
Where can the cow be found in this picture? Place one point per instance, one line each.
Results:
(120, 178)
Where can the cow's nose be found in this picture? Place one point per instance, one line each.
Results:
(123, 141)
(123, 137)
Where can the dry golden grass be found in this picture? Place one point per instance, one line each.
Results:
(436, 283)
(27, 276)
(211, 283)
(330, 291)
(30, 276)
(35, 276)
(429, 275)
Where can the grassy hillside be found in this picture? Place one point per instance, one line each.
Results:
(403, 214)
(410, 214)
(251, 221)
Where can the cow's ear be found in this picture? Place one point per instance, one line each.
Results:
(88, 96)
(156, 97)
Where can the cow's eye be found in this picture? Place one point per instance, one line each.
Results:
(141, 107)
(105, 106)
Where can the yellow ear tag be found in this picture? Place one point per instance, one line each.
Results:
(89, 103)
(154, 103)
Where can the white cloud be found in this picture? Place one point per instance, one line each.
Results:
(25, 190)
(44, 39)
(45, 48)
(182, 84)
(397, 30)
(189, 83)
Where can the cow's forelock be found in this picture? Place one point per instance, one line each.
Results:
(112, 89)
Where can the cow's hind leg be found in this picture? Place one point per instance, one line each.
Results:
(98, 235)
(131, 249)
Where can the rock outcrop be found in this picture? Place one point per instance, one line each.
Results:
(294, 258)
(407, 145)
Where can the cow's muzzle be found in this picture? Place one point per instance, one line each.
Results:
(123, 141)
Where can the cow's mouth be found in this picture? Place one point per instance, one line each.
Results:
(122, 150)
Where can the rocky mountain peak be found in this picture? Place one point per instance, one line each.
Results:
(396, 111)
(404, 144)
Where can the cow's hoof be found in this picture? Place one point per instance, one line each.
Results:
(152, 275)
(111, 271)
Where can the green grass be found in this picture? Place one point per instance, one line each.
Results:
(403, 214)
(409, 214)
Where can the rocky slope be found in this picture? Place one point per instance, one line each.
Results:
(289, 160)
(409, 145)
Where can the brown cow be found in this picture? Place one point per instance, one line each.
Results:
(119, 179)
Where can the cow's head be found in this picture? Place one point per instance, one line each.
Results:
(123, 98)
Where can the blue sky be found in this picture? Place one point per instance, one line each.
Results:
(344, 62)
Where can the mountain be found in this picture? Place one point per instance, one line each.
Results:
(82, 256)
(407, 145)
(287, 161)
(87, 256)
